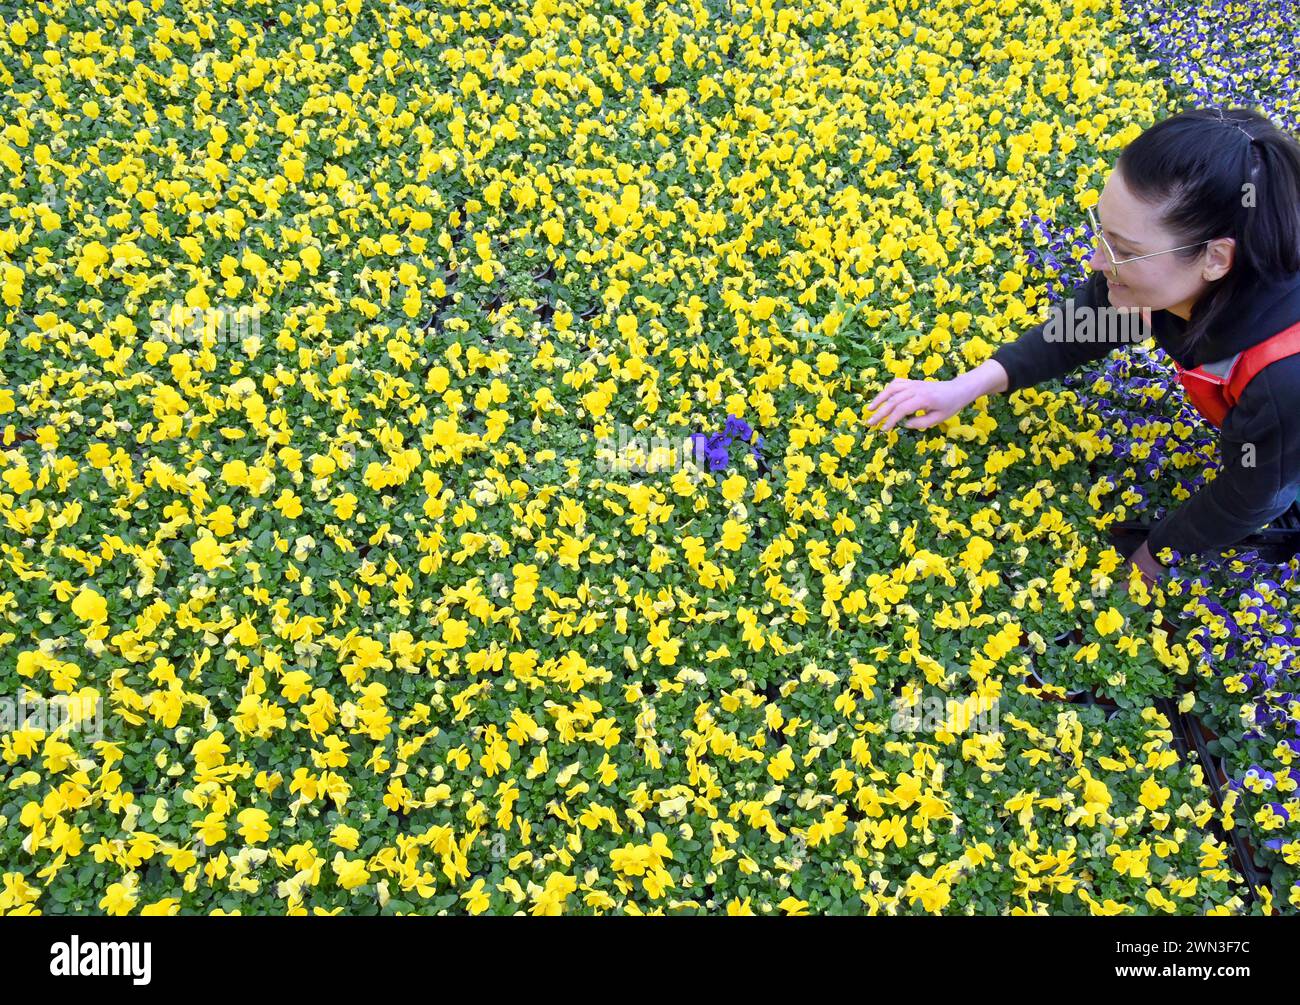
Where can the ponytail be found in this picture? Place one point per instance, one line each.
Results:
(1222, 173)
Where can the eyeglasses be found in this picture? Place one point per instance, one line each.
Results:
(1115, 263)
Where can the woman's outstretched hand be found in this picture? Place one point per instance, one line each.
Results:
(1150, 570)
(938, 399)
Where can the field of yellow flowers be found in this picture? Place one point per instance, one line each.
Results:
(435, 474)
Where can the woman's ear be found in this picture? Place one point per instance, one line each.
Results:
(1218, 258)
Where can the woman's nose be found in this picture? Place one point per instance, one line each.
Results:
(1099, 262)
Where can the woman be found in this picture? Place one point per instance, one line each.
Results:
(1199, 227)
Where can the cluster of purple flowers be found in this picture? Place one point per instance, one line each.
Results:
(1061, 252)
(1261, 647)
(1133, 389)
(715, 450)
(1228, 53)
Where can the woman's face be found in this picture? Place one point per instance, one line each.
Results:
(1164, 282)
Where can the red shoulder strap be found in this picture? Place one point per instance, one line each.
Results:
(1284, 343)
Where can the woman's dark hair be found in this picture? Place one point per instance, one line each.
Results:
(1222, 173)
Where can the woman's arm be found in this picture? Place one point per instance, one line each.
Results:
(1034, 357)
(1029, 360)
(939, 399)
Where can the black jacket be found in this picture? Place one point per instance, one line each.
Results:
(1243, 497)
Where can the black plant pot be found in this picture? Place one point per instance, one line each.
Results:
(1043, 681)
